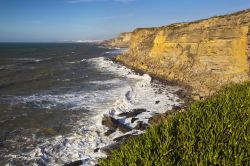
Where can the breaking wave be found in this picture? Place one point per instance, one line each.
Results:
(127, 91)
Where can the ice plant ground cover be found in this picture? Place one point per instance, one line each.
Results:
(215, 131)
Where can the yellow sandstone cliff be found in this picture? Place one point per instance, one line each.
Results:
(123, 40)
(204, 54)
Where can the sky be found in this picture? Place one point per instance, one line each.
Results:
(72, 20)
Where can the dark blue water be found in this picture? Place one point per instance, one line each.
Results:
(30, 68)
(29, 73)
(53, 97)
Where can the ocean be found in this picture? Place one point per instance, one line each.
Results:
(53, 97)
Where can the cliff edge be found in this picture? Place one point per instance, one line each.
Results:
(203, 55)
(122, 41)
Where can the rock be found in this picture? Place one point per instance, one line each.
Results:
(157, 102)
(133, 113)
(123, 138)
(75, 163)
(203, 55)
(176, 108)
(196, 97)
(107, 133)
(96, 150)
(114, 124)
(133, 120)
(108, 149)
(141, 126)
(159, 91)
(123, 40)
(159, 118)
(119, 141)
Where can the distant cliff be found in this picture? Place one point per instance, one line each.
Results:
(204, 54)
(122, 41)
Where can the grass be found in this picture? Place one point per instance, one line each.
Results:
(215, 131)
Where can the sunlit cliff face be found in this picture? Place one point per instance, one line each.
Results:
(205, 54)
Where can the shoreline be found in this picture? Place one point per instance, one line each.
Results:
(155, 120)
(113, 123)
(185, 93)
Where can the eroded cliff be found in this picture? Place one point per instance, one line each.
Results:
(204, 54)
(123, 40)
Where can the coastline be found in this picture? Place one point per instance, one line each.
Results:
(201, 56)
(112, 123)
(188, 138)
(119, 104)
(185, 93)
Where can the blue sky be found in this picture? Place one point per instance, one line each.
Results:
(66, 20)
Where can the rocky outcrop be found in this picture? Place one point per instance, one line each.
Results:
(203, 55)
(133, 113)
(114, 124)
(122, 41)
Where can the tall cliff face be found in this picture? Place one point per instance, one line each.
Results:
(205, 54)
(123, 40)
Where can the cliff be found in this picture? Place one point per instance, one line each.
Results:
(122, 41)
(203, 55)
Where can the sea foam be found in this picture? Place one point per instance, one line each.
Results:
(128, 91)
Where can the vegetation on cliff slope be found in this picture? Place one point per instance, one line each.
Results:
(215, 131)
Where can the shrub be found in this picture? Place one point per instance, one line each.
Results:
(215, 131)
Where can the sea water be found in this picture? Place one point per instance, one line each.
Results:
(53, 97)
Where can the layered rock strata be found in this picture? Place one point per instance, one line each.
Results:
(122, 41)
(203, 55)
